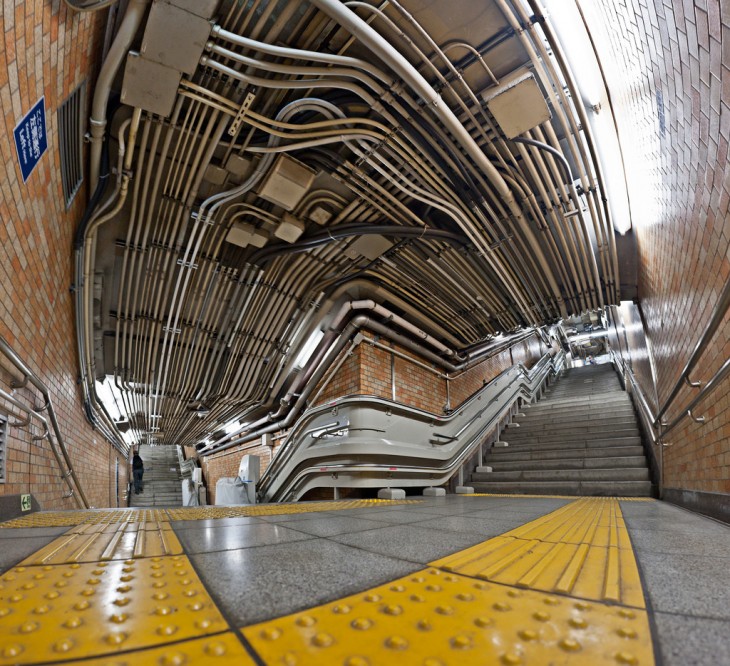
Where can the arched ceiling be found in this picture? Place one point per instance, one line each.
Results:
(272, 161)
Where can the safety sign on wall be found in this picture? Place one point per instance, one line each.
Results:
(30, 138)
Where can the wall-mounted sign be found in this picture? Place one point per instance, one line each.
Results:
(25, 504)
(30, 138)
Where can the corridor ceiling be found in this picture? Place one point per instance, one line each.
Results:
(279, 169)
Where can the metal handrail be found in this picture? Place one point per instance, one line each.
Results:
(637, 391)
(717, 378)
(293, 436)
(29, 375)
(448, 465)
(718, 314)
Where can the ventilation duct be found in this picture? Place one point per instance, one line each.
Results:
(71, 138)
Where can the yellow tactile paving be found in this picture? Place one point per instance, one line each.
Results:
(73, 518)
(562, 589)
(203, 512)
(436, 618)
(568, 497)
(72, 611)
(215, 650)
(116, 541)
(114, 516)
(582, 549)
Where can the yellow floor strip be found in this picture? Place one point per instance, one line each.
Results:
(203, 512)
(437, 618)
(72, 611)
(522, 598)
(562, 589)
(116, 516)
(91, 543)
(582, 549)
(569, 497)
(217, 650)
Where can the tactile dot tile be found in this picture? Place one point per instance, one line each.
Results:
(570, 497)
(435, 617)
(67, 612)
(218, 650)
(582, 549)
(202, 513)
(95, 517)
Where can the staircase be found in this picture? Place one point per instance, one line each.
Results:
(162, 481)
(582, 438)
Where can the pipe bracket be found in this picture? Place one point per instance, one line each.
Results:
(696, 419)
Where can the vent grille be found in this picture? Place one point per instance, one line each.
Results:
(71, 139)
(3, 438)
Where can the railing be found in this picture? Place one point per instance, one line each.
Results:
(60, 453)
(367, 442)
(717, 378)
(659, 434)
(718, 314)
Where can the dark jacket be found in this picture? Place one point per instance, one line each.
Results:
(137, 462)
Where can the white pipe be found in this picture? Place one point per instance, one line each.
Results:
(126, 33)
(384, 49)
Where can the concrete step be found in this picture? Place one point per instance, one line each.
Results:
(602, 462)
(623, 474)
(517, 438)
(560, 445)
(589, 488)
(576, 424)
(567, 415)
(604, 399)
(521, 454)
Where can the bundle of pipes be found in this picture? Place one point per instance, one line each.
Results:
(205, 328)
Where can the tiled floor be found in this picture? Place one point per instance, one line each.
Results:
(256, 568)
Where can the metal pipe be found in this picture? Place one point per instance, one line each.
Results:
(718, 314)
(125, 35)
(79, 495)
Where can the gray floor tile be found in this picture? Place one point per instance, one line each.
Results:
(23, 532)
(485, 527)
(690, 641)
(13, 551)
(680, 541)
(410, 542)
(255, 584)
(210, 539)
(331, 525)
(400, 516)
(685, 584)
(215, 522)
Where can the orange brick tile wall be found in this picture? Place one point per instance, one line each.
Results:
(467, 383)
(670, 85)
(45, 50)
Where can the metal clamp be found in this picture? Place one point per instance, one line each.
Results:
(692, 384)
(696, 419)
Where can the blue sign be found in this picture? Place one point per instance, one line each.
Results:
(30, 138)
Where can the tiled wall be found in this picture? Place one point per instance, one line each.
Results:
(668, 69)
(45, 50)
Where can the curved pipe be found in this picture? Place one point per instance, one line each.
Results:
(125, 35)
(389, 54)
(29, 375)
(346, 231)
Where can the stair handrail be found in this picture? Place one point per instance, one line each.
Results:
(708, 388)
(718, 314)
(76, 489)
(647, 412)
(549, 363)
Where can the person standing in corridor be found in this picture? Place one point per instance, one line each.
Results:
(137, 472)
